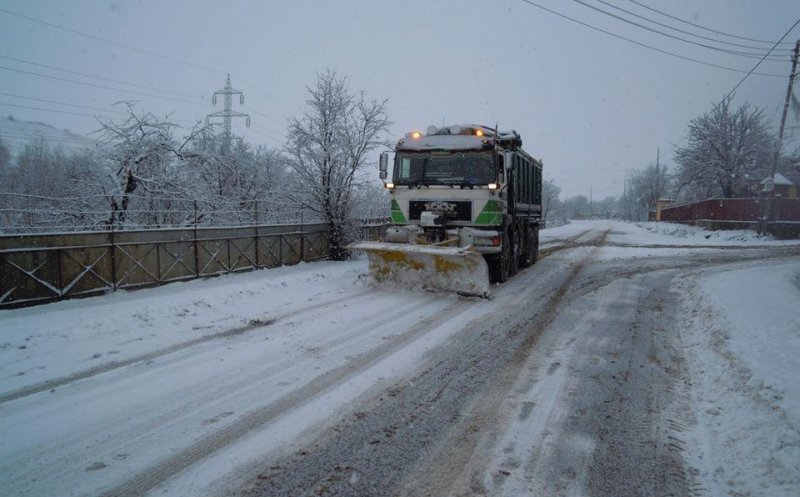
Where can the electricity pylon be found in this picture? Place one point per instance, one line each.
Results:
(227, 114)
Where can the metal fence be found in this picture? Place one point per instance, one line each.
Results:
(43, 268)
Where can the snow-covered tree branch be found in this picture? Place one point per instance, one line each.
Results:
(328, 147)
(726, 150)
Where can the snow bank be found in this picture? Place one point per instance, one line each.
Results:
(694, 235)
(664, 234)
(743, 332)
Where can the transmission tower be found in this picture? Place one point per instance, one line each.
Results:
(227, 114)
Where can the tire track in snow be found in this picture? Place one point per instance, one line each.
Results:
(557, 245)
(450, 471)
(111, 366)
(149, 479)
(177, 417)
(396, 432)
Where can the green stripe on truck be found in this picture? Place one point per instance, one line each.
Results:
(396, 213)
(492, 214)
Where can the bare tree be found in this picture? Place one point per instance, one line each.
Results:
(727, 149)
(328, 147)
(142, 151)
(550, 193)
(645, 187)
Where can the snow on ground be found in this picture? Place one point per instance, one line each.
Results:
(672, 233)
(742, 371)
(663, 234)
(303, 326)
(53, 340)
(41, 342)
(742, 328)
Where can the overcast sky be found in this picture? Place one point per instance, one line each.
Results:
(591, 106)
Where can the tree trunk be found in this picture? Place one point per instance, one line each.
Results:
(336, 241)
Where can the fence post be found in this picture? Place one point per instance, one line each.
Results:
(60, 272)
(113, 261)
(158, 263)
(196, 252)
(256, 235)
(302, 237)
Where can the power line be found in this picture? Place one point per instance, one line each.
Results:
(276, 137)
(15, 59)
(762, 59)
(120, 90)
(715, 40)
(89, 107)
(96, 86)
(258, 90)
(135, 49)
(62, 139)
(44, 109)
(47, 110)
(698, 25)
(62, 103)
(105, 40)
(269, 128)
(273, 132)
(79, 139)
(666, 52)
(652, 30)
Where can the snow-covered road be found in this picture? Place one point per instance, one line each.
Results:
(583, 374)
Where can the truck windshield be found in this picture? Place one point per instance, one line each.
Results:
(463, 168)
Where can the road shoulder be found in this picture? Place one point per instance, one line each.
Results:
(742, 341)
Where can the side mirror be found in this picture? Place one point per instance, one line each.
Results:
(383, 165)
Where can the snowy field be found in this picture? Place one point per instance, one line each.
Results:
(230, 344)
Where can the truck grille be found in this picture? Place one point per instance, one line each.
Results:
(462, 210)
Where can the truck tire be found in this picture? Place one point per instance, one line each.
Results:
(514, 253)
(500, 264)
(527, 257)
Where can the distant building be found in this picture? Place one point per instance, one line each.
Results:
(662, 204)
(783, 186)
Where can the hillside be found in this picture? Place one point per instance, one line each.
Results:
(16, 134)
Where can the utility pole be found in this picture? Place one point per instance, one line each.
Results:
(227, 114)
(658, 173)
(625, 196)
(771, 194)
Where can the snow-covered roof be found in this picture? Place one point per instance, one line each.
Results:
(455, 137)
(779, 179)
(442, 142)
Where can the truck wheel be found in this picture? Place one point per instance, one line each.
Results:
(527, 256)
(514, 255)
(500, 264)
(535, 246)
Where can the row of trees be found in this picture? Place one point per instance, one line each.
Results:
(147, 171)
(728, 153)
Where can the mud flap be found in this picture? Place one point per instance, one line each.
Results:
(446, 269)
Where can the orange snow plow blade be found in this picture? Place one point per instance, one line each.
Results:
(447, 269)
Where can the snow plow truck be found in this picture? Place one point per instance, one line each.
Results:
(465, 210)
